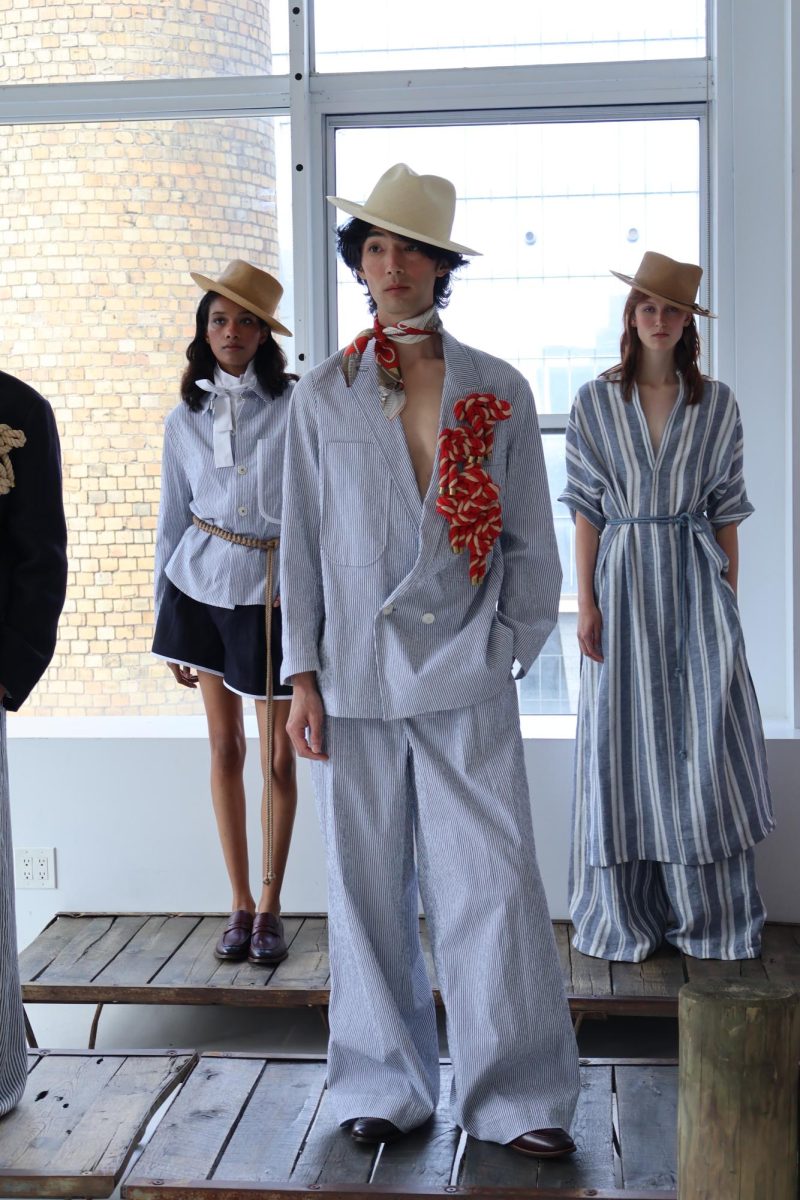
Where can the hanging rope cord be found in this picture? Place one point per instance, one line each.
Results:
(10, 439)
(267, 819)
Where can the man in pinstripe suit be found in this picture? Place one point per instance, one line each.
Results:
(33, 576)
(401, 656)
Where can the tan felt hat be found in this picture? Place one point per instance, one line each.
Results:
(666, 279)
(417, 206)
(257, 291)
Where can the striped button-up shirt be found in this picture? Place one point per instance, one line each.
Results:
(244, 498)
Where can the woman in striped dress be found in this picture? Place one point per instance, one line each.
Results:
(216, 560)
(671, 790)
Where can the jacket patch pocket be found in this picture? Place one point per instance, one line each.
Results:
(355, 503)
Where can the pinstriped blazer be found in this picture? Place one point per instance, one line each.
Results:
(373, 598)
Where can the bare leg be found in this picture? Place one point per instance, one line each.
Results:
(284, 797)
(227, 740)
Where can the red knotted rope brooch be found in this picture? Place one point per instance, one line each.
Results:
(469, 499)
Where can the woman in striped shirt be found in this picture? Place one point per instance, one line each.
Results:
(218, 620)
(671, 790)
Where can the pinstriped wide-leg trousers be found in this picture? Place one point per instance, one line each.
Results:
(441, 799)
(13, 1055)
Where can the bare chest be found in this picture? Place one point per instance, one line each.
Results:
(657, 405)
(420, 417)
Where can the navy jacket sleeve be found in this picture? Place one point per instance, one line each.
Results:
(33, 543)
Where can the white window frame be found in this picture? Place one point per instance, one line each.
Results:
(318, 105)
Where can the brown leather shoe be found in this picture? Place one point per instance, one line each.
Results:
(235, 940)
(267, 943)
(371, 1130)
(544, 1143)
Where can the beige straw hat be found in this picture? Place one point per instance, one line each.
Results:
(417, 206)
(257, 291)
(666, 279)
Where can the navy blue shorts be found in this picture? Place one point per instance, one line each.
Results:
(230, 642)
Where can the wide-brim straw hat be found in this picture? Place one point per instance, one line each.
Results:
(666, 279)
(415, 206)
(256, 290)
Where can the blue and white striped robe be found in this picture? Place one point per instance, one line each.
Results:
(670, 756)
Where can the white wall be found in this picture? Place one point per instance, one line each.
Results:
(131, 819)
(133, 829)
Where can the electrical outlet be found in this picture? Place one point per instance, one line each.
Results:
(35, 867)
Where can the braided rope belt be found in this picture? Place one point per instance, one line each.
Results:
(269, 546)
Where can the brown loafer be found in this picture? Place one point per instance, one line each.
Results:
(544, 1143)
(371, 1130)
(267, 943)
(235, 941)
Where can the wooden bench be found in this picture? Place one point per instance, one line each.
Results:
(81, 1117)
(167, 958)
(262, 1128)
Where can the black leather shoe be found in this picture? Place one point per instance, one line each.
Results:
(234, 943)
(544, 1143)
(374, 1129)
(267, 943)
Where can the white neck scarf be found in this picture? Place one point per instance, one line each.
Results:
(226, 393)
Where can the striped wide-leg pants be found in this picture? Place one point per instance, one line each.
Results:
(442, 800)
(13, 1055)
(624, 912)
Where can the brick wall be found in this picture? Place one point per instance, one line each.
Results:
(42, 42)
(99, 226)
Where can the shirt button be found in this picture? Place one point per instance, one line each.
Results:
(241, 470)
(242, 510)
(388, 610)
(428, 618)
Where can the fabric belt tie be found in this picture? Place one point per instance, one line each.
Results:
(269, 545)
(687, 523)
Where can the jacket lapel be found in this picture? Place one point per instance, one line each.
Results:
(459, 380)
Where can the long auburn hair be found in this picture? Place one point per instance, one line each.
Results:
(269, 361)
(686, 353)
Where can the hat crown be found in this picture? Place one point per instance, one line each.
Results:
(415, 206)
(424, 202)
(250, 283)
(663, 276)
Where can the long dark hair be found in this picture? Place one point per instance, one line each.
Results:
(350, 239)
(269, 362)
(687, 354)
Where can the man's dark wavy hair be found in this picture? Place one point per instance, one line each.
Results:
(269, 361)
(350, 239)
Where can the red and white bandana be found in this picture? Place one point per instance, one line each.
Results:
(390, 381)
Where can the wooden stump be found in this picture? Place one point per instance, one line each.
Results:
(738, 1091)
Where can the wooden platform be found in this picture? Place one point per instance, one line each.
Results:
(167, 958)
(264, 1128)
(243, 1125)
(81, 1117)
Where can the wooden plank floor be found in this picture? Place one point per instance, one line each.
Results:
(81, 1117)
(167, 958)
(262, 1127)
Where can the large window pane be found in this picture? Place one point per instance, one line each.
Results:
(69, 43)
(552, 207)
(100, 225)
(377, 35)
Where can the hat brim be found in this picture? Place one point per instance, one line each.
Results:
(211, 285)
(358, 210)
(696, 309)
